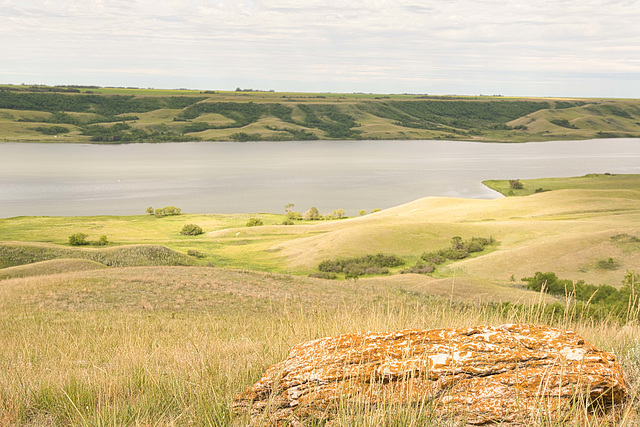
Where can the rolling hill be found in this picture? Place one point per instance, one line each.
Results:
(112, 115)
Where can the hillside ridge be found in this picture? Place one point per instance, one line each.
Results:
(111, 115)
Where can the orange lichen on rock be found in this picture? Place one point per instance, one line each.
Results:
(480, 375)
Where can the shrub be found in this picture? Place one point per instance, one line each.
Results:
(459, 249)
(102, 241)
(324, 275)
(191, 230)
(171, 210)
(253, 222)
(420, 268)
(287, 222)
(375, 210)
(433, 258)
(297, 216)
(166, 211)
(453, 253)
(368, 264)
(563, 123)
(362, 212)
(607, 264)
(78, 239)
(338, 213)
(51, 130)
(312, 214)
(195, 253)
(516, 184)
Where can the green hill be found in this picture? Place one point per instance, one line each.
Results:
(111, 115)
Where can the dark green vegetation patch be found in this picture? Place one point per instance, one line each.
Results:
(603, 301)
(381, 263)
(124, 256)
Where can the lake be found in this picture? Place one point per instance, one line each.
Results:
(251, 177)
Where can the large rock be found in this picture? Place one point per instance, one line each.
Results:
(478, 375)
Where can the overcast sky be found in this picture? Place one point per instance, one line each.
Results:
(583, 48)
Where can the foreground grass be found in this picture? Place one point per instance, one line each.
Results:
(173, 345)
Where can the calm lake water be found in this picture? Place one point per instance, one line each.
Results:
(220, 177)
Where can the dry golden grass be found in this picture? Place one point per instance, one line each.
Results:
(44, 268)
(566, 231)
(173, 345)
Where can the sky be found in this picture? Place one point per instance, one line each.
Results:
(577, 48)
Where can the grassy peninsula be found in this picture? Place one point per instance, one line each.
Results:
(150, 326)
(81, 114)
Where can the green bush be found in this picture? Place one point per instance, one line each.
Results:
(607, 264)
(368, 264)
(515, 184)
(563, 123)
(420, 268)
(195, 253)
(102, 241)
(324, 275)
(253, 222)
(78, 239)
(191, 230)
(166, 211)
(615, 302)
(51, 130)
(296, 216)
(312, 214)
(459, 249)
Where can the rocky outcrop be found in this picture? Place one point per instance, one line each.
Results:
(478, 375)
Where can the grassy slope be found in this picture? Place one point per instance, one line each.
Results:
(589, 118)
(173, 346)
(566, 231)
(45, 268)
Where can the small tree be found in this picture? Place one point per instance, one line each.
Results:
(312, 214)
(362, 212)
(516, 184)
(102, 241)
(254, 222)
(288, 207)
(150, 210)
(78, 239)
(158, 213)
(338, 213)
(191, 230)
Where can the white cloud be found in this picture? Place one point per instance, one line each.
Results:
(371, 44)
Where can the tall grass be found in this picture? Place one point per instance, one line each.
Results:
(179, 343)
